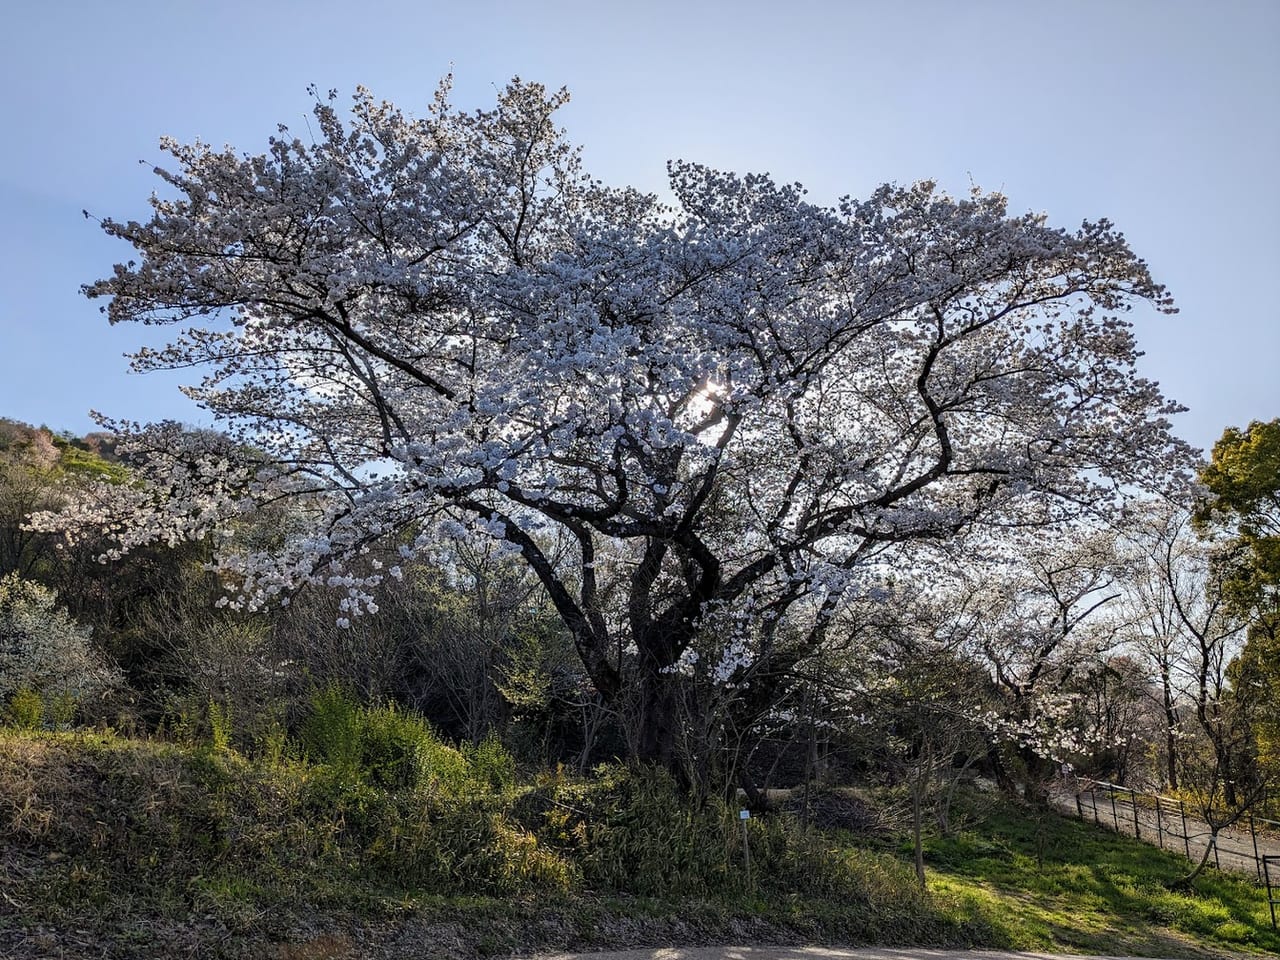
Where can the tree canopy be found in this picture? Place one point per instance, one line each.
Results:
(717, 417)
(1243, 480)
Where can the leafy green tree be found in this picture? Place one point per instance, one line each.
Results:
(1243, 478)
(1255, 679)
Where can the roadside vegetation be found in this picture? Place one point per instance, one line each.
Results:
(365, 829)
(368, 821)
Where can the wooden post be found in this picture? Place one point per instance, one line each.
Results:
(1133, 798)
(1213, 838)
(1093, 799)
(744, 816)
(1079, 806)
(1186, 841)
(1159, 823)
(1115, 816)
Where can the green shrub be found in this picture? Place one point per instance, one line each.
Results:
(442, 767)
(62, 711)
(393, 747)
(492, 764)
(26, 709)
(331, 731)
(273, 744)
(383, 747)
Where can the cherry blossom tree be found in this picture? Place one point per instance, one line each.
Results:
(1028, 622)
(1045, 622)
(733, 407)
(1178, 621)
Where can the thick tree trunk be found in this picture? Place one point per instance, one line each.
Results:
(1000, 771)
(656, 736)
(1035, 790)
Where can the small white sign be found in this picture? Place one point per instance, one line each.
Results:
(744, 814)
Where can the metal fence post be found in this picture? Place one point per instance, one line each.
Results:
(1186, 840)
(1266, 865)
(1271, 897)
(1257, 862)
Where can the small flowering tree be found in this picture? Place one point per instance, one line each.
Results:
(916, 702)
(43, 650)
(992, 659)
(726, 412)
(1042, 623)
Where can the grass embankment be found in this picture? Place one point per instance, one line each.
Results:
(137, 849)
(398, 845)
(1046, 882)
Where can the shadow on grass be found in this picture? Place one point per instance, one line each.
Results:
(1043, 881)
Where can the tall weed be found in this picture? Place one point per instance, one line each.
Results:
(330, 733)
(380, 747)
(492, 764)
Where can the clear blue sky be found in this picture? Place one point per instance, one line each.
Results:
(1162, 116)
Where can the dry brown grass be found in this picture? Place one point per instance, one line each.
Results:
(327, 946)
(28, 781)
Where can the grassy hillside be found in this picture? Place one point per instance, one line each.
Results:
(407, 847)
(1046, 882)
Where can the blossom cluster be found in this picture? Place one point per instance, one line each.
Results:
(709, 418)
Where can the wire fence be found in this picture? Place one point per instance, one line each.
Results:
(1244, 847)
(1250, 845)
(1271, 877)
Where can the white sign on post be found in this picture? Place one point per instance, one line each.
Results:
(744, 814)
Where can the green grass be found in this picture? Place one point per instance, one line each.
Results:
(1046, 882)
(111, 836)
(156, 849)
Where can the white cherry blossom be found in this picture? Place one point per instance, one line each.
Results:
(735, 408)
